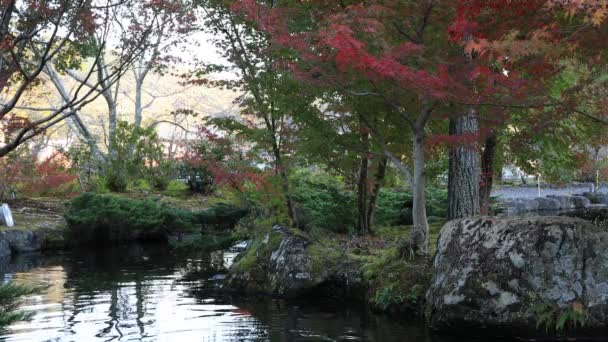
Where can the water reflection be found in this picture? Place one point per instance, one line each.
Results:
(148, 294)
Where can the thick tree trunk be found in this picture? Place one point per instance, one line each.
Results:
(487, 173)
(464, 169)
(373, 197)
(420, 230)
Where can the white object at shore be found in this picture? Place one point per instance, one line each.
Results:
(5, 216)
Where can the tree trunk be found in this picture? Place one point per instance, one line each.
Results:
(487, 173)
(420, 230)
(80, 127)
(464, 169)
(281, 171)
(362, 183)
(362, 192)
(139, 83)
(112, 107)
(373, 197)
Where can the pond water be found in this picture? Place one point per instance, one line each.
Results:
(141, 293)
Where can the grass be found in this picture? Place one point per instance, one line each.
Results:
(393, 233)
(259, 248)
(397, 283)
(35, 221)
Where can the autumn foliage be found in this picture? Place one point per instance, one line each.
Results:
(25, 175)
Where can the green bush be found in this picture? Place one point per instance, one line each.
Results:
(394, 206)
(161, 174)
(324, 203)
(221, 216)
(134, 153)
(176, 188)
(112, 219)
(10, 299)
(199, 178)
(116, 178)
(141, 185)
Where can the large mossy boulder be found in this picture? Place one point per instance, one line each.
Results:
(519, 273)
(287, 263)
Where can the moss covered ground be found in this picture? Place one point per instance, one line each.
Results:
(394, 282)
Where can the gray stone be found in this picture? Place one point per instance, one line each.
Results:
(580, 202)
(521, 205)
(5, 249)
(548, 204)
(288, 268)
(492, 272)
(595, 213)
(23, 241)
(597, 198)
(565, 202)
(6, 217)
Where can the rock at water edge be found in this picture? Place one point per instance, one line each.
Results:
(494, 272)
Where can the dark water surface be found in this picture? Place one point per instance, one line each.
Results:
(149, 294)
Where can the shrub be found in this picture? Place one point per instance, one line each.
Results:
(141, 185)
(205, 153)
(112, 219)
(221, 216)
(161, 174)
(10, 299)
(324, 203)
(116, 178)
(394, 206)
(199, 178)
(99, 185)
(176, 188)
(20, 172)
(51, 177)
(12, 170)
(135, 153)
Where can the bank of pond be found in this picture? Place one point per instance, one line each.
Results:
(126, 268)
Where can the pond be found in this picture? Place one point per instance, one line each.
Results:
(139, 293)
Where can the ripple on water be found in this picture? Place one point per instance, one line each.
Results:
(118, 295)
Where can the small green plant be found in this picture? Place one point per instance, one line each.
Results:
(10, 300)
(394, 294)
(141, 185)
(554, 318)
(176, 188)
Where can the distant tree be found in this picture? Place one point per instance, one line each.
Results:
(32, 35)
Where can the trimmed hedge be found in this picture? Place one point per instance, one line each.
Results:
(103, 219)
(111, 219)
